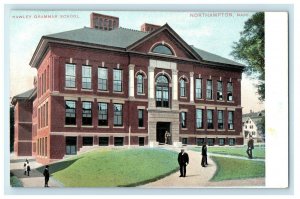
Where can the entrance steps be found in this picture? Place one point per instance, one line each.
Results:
(85, 149)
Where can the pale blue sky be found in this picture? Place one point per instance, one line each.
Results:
(214, 34)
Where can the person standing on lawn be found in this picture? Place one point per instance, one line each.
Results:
(250, 147)
(25, 167)
(183, 161)
(47, 175)
(204, 155)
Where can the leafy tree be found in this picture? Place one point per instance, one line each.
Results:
(12, 134)
(250, 49)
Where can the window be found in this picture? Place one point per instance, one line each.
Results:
(87, 141)
(230, 120)
(199, 120)
(200, 141)
(117, 80)
(102, 79)
(141, 141)
(184, 141)
(183, 119)
(118, 115)
(220, 91)
(70, 117)
(87, 113)
(71, 145)
(210, 141)
(210, 124)
(70, 75)
(229, 91)
(162, 49)
(119, 141)
(220, 120)
(209, 90)
(102, 114)
(198, 88)
(140, 84)
(162, 91)
(103, 141)
(221, 141)
(231, 141)
(86, 77)
(182, 88)
(141, 117)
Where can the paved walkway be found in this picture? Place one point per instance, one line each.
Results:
(196, 175)
(236, 157)
(35, 179)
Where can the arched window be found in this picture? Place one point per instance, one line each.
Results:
(162, 49)
(162, 91)
(140, 84)
(182, 88)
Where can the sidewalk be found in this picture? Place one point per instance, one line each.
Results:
(36, 179)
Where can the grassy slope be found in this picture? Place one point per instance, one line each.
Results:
(109, 168)
(229, 168)
(258, 152)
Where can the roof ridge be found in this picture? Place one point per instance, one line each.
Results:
(133, 29)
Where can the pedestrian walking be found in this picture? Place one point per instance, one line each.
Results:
(28, 168)
(25, 167)
(204, 155)
(47, 175)
(183, 161)
(250, 147)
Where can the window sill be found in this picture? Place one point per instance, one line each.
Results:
(70, 126)
(199, 129)
(141, 94)
(231, 130)
(72, 89)
(210, 100)
(230, 101)
(183, 97)
(102, 91)
(210, 129)
(221, 100)
(86, 126)
(221, 129)
(184, 129)
(105, 127)
(88, 90)
(199, 99)
(118, 127)
(141, 127)
(120, 93)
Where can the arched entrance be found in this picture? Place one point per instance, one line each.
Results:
(161, 129)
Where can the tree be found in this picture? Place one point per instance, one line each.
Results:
(250, 49)
(12, 134)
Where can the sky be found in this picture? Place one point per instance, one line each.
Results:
(212, 32)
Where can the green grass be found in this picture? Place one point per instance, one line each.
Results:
(14, 181)
(258, 152)
(229, 169)
(112, 168)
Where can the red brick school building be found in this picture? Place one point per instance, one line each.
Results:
(106, 85)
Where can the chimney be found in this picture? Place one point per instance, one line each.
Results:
(146, 27)
(103, 22)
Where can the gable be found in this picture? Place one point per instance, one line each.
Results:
(165, 38)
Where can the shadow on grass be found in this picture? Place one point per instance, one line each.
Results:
(150, 180)
(58, 166)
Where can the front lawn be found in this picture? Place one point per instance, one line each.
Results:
(115, 167)
(230, 168)
(258, 151)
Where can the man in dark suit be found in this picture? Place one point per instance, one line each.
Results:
(250, 147)
(183, 161)
(47, 175)
(204, 155)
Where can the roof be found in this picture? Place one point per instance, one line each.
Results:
(27, 95)
(124, 38)
(120, 37)
(214, 58)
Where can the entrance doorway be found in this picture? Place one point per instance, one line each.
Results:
(161, 129)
